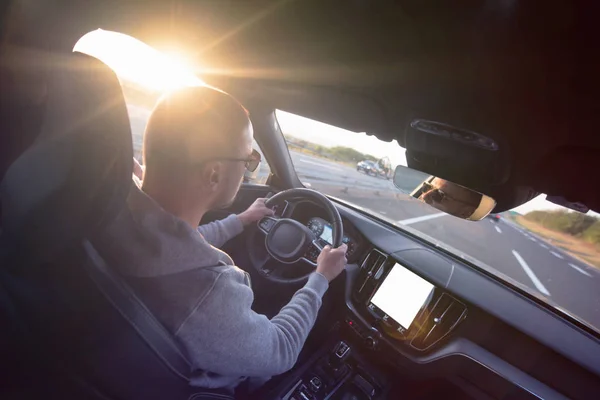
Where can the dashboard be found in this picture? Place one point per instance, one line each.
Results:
(400, 305)
(315, 218)
(422, 310)
(323, 231)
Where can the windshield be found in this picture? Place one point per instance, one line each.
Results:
(551, 252)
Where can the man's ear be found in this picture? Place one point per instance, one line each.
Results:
(212, 174)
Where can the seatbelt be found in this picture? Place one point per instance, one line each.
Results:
(135, 312)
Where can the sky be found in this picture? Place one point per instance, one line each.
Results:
(328, 135)
(134, 61)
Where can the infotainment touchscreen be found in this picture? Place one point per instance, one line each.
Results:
(401, 295)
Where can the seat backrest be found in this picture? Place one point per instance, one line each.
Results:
(79, 316)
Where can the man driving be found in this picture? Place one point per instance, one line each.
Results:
(197, 146)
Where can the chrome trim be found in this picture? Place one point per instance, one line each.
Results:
(370, 273)
(461, 318)
(291, 391)
(287, 203)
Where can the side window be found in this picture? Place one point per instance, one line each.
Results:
(138, 118)
(145, 74)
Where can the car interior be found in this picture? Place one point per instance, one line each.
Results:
(522, 73)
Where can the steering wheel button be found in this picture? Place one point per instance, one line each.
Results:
(266, 224)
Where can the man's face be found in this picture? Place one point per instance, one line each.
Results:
(233, 171)
(450, 198)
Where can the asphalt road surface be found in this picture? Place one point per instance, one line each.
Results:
(503, 247)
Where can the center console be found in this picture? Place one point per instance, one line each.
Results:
(392, 302)
(391, 312)
(336, 375)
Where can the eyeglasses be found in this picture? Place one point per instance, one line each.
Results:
(433, 194)
(251, 163)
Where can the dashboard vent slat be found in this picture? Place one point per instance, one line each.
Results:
(371, 271)
(441, 320)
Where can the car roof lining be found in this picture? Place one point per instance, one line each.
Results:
(508, 70)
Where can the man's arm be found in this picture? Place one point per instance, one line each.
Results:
(219, 232)
(223, 335)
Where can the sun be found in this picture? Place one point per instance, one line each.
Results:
(135, 61)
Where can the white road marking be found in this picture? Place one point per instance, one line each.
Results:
(555, 254)
(420, 219)
(576, 268)
(498, 229)
(533, 239)
(544, 246)
(382, 212)
(323, 165)
(530, 274)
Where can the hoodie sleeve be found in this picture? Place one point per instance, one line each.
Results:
(224, 336)
(217, 233)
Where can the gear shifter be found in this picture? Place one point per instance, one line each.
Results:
(337, 357)
(327, 375)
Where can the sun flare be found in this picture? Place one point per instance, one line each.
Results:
(135, 61)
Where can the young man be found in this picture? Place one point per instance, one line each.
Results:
(197, 144)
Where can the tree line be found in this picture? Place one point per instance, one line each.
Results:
(575, 224)
(337, 153)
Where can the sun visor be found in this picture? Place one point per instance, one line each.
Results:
(459, 155)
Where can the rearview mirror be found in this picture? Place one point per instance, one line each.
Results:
(443, 195)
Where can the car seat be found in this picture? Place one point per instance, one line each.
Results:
(70, 311)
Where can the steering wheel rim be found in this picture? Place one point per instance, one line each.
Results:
(287, 240)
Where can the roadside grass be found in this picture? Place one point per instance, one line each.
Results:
(325, 157)
(576, 247)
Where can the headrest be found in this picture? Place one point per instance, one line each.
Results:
(77, 174)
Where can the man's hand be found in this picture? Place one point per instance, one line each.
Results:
(255, 212)
(331, 262)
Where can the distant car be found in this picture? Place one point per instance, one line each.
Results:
(494, 217)
(368, 167)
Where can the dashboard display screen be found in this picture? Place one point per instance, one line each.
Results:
(326, 235)
(401, 295)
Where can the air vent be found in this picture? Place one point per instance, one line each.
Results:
(441, 320)
(371, 271)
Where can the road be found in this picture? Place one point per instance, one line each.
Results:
(503, 247)
(506, 247)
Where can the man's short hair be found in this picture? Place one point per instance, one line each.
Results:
(190, 124)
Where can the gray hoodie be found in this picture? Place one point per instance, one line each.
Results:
(198, 294)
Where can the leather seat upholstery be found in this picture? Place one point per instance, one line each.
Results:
(56, 196)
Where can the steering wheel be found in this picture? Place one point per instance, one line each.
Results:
(287, 240)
